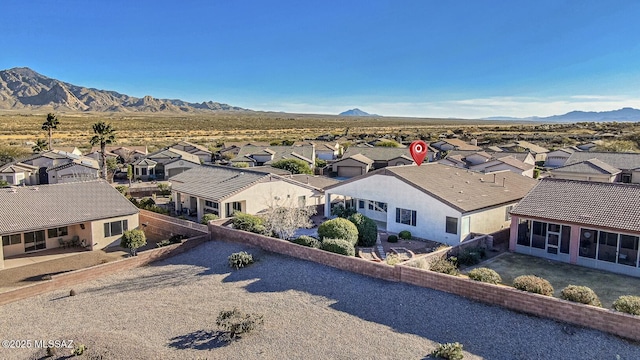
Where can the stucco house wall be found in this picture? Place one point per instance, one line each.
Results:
(260, 196)
(99, 241)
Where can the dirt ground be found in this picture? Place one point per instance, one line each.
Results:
(608, 286)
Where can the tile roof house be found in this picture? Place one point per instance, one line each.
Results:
(384, 156)
(266, 155)
(47, 216)
(18, 173)
(520, 163)
(454, 144)
(558, 157)
(433, 201)
(353, 165)
(56, 166)
(628, 165)
(588, 170)
(539, 152)
(164, 164)
(222, 190)
(202, 152)
(593, 224)
(127, 153)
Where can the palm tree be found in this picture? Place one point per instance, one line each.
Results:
(39, 146)
(104, 134)
(51, 123)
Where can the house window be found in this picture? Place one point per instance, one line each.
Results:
(10, 179)
(628, 250)
(524, 232)
(370, 205)
(381, 206)
(144, 171)
(588, 243)
(137, 171)
(115, 228)
(405, 216)
(34, 241)
(507, 215)
(360, 204)
(211, 204)
(57, 232)
(11, 239)
(452, 225)
(607, 246)
(237, 206)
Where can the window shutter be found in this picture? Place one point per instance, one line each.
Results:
(413, 217)
(398, 215)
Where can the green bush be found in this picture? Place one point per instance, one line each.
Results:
(177, 239)
(471, 256)
(247, 222)
(208, 217)
(444, 266)
(627, 304)
(132, 240)
(392, 239)
(295, 166)
(367, 229)
(122, 189)
(235, 324)
(405, 235)
(451, 351)
(338, 246)
(338, 228)
(340, 211)
(307, 241)
(533, 284)
(163, 243)
(485, 275)
(240, 259)
(580, 294)
(147, 202)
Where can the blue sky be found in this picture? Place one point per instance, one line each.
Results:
(407, 58)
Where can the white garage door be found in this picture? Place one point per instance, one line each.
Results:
(349, 171)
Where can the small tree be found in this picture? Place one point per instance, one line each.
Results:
(367, 229)
(104, 134)
(284, 218)
(295, 166)
(132, 240)
(338, 228)
(129, 173)
(112, 166)
(164, 189)
(40, 146)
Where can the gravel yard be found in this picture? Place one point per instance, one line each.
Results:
(168, 311)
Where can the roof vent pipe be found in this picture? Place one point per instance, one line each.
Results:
(494, 178)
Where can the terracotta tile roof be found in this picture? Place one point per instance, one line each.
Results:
(611, 205)
(215, 182)
(46, 206)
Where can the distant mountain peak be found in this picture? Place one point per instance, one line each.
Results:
(22, 88)
(624, 114)
(356, 112)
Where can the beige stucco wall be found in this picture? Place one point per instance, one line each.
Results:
(635, 177)
(67, 174)
(97, 231)
(490, 220)
(584, 177)
(260, 196)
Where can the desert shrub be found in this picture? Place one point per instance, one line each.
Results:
(627, 304)
(164, 189)
(132, 240)
(307, 241)
(392, 239)
(405, 235)
(51, 351)
(146, 202)
(157, 209)
(240, 259)
(420, 264)
(235, 323)
(79, 349)
(451, 351)
(338, 228)
(163, 243)
(208, 217)
(72, 293)
(580, 294)
(177, 238)
(444, 266)
(485, 275)
(295, 166)
(533, 284)
(471, 256)
(338, 246)
(340, 211)
(393, 259)
(367, 229)
(248, 222)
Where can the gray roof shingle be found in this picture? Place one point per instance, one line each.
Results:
(591, 166)
(215, 182)
(610, 205)
(46, 206)
(623, 161)
(377, 153)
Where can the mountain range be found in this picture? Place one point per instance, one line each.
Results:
(23, 88)
(356, 112)
(624, 114)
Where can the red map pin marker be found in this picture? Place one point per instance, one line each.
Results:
(418, 151)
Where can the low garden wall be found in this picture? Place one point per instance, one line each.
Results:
(621, 324)
(159, 227)
(66, 280)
